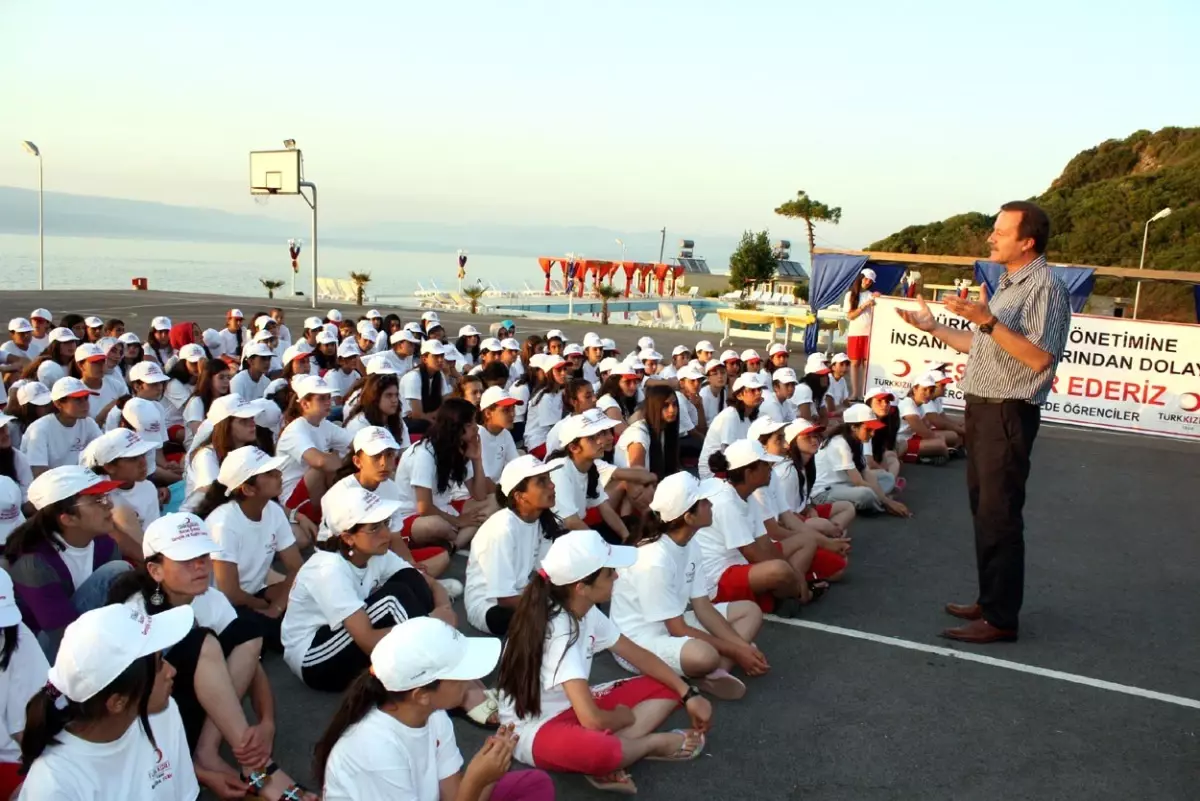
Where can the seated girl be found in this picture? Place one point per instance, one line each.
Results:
(23, 670)
(581, 500)
(312, 447)
(212, 384)
(652, 442)
(884, 441)
(842, 472)
(731, 424)
(650, 602)
(619, 395)
(120, 456)
(578, 397)
(797, 473)
(424, 387)
(497, 409)
(562, 723)
(546, 404)
(952, 429)
(378, 405)
(916, 440)
(715, 394)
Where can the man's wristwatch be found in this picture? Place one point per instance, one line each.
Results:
(987, 327)
(692, 692)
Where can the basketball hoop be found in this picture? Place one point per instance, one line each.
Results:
(264, 198)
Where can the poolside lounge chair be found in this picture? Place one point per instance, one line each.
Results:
(687, 317)
(666, 315)
(693, 292)
(647, 319)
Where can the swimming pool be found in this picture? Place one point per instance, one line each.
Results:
(558, 305)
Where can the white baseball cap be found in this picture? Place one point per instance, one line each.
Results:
(680, 350)
(510, 344)
(179, 536)
(161, 324)
(608, 364)
(876, 392)
(305, 385)
(233, 405)
(313, 324)
(129, 338)
(88, 352)
(374, 440)
(868, 273)
(705, 346)
(193, 353)
(746, 452)
(521, 468)
(147, 373)
(750, 355)
(257, 349)
(713, 364)
(10, 613)
(689, 372)
(120, 443)
(468, 331)
(430, 317)
(41, 314)
(839, 357)
(101, 644)
(588, 424)
(432, 347)
(70, 388)
(578, 554)
(59, 483)
(785, 375)
(34, 392)
(592, 340)
(245, 463)
(554, 333)
(366, 329)
(747, 381)
(376, 365)
(301, 350)
(236, 314)
(940, 378)
(107, 343)
(551, 362)
(146, 417)
(274, 387)
(333, 316)
(649, 355)
(927, 380)
(608, 344)
(19, 325)
(572, 350)
(646, 343)
(679, 492)
(762, 426)
(815, 364)
(373, 313)
(498, 396)
(861, 413)
(348, 349)
(729, 356)
(63, 335)
(264, 336)
(93, 322)
(350, 504)
(777, 347)
(491, 344)
(328, 338)
(404, 335)
(797, 427)
(423, 650)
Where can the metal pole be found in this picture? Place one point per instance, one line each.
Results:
(1137, 294)
(41, 229)
(313, 205)
(662, 245)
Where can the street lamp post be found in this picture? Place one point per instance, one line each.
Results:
(32, 150)
(1137, 295)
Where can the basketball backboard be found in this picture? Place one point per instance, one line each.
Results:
(275, 172)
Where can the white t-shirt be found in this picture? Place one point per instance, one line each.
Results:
(243, 384)
(250, 544)
(638, 433)
(229, 341)
(570, 490)
(379, 757)
(772, 408)
(908, 408)
(792, 495)
(606, 402)
(130, 768)
(657, 588)
(25, 675)
(329, 589)
(301, 436)
(142, 498)
(410, 390)
(723, 430)
(833, 460)
(48, 443)
(711, 400)
(504, 552)
(560, 664)
(109, 392)
(38, 344)
(802, 404)
(734, 526)
(418, 468)
(11, 498)
(211, 608)
(202, 470)
(521, 393)
(193, 410)
(11, 348)
(769, 501)
(543, 414)
(175, 397)
(341, 381)
(498, 450)
(860, 326)
(839, 390)
(688, 417)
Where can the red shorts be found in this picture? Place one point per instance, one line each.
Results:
(593, 516)
(913, 451)
(539, 452)
(827, 563)
(823, 510)
(175, 433)
(734, 585)
(458, 505)
(10, 779)
(858, 348)
(300, 502)
(562, 744)
(430, 552)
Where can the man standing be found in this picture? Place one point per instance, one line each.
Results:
(1018, 341)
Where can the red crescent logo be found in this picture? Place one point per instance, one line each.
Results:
(904, 369)
(1195, 402)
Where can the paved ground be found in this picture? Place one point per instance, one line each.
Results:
(1112, 594)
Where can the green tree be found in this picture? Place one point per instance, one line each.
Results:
(473, 294)
(811, 211)
(360, 286)
(606, 292)
(753, 261)
(271, 286)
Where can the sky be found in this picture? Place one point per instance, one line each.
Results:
(698, 116)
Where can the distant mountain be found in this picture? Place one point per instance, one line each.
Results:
(1098, 208)
(85, 215)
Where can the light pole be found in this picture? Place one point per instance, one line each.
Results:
(32, 150)
(622, 244)
(1137, 295)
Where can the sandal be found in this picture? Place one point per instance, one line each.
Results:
(619, 781)
(258, 779)
(817, 586)
(682, 754)
(485, 715)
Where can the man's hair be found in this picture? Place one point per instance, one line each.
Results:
(1034, 223)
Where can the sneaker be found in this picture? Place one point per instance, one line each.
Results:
(723, 685)
(453, 588)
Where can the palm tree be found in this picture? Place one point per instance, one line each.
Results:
(811, 211)
(606, 292)
(271, 286)
(360, 286)
(474, 293)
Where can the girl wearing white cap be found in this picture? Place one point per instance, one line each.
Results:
(468, 344)
(89, 366)
(28, 401)
(23, 669)
(183, 377)
(104, 725)
(715, 393)
(252, 529)
(343, 375)
(733, 364)
(546, 404)
(213, 383)
(837, 397)
(619, 396)
(497, 408)
(916, 440)
(392, 738)
(578, 397)
(883, 453)
(55, 361)
(650, 602)
(132, 352)
(229, 425)
(859, 307)
(13, 465)
(563, 724)
(443, 485)
(158, 341)
(797, 473)
(776, 398)
(252, 380)
(555, 342)
(581, 497)
(120, 456)
(312, 447)
(508, 546)
(423, 389)
(61, 559)
(951, 429)
(808, 399)
(842, 471)
(43, 323)
(146, 381)
(234, 336)
(732, 423)
(652, 442)
(691, 378)
(18, 351)
(216, 664)
(58, 439)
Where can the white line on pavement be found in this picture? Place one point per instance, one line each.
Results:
(968, 656)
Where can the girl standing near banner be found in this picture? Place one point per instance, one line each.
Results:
(859, 306)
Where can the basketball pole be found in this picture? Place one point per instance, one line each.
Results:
(312, 204)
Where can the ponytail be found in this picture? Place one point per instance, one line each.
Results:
(9, 634)
(214, 497)
(520, 675)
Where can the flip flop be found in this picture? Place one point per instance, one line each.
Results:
(618, 781)
(481, 714)
(682, 755)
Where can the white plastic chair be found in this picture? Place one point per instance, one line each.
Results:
(666, 315)
(687, 317)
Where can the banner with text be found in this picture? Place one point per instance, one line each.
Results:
(1118, 374)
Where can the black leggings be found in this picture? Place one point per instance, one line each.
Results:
(498, 619)
(333, 659)
(184, 656)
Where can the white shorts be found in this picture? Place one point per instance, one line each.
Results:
(667, 648)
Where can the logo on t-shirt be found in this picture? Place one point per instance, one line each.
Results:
(690, 574)
(161, 772)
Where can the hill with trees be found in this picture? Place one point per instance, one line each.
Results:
(1098, 208)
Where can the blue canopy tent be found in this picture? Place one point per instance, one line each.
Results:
(1079, 280)
(832, 275)
(1196, 292)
